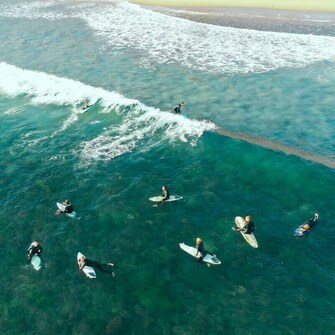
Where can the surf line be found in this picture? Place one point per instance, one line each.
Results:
(276, 146)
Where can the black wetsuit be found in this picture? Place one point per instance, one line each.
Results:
(165, 194)
(68, 208)
(200, 249)
(250, 227)
(176, 109)
(94, 264)
(32, 250)
(311, 222)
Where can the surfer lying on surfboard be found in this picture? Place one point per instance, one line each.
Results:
(83, 261)
(304, 228)
(248, 228)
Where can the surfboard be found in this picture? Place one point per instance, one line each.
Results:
(300, 232)
(62, 207)
(88, 270)
(36, 262)
(160, 198)
(209, 258)
(84, 110)
(250, 238)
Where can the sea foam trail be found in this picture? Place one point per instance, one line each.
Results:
(138, 122)
(206, 47)
(165, 39)
(276, 146)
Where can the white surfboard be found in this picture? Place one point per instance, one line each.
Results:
(88, 270)
(62, 207)
(250, 238)
(160, 198)
(211, 259)
(36, 262)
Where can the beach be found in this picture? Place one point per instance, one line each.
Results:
(255, 137)
(297, 5)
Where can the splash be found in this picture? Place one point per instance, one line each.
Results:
(136, 123)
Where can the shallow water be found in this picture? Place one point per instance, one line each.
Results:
(267, 151)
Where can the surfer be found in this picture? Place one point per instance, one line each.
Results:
(309, 224)
(83, 261)
(200, 249)
(86, 105)
(249, 226)
(68, 207)
(165, 196)
(165, 193)
(34, 250)
(177, 108)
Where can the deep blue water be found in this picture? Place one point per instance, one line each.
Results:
(258, 140)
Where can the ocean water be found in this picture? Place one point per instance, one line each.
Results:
(258, 139)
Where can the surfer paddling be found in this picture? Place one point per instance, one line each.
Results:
(304, 228)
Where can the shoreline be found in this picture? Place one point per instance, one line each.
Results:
(324, 6)
(262, 19)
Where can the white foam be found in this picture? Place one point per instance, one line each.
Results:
(166, 39)
(31, 10)
(138, 121)
(45, 88)
(13, 111)
(205, 47)
(150, 128)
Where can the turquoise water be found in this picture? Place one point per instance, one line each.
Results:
(268, 152)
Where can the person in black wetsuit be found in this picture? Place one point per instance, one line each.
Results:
(309, 224)
(200, 249)
(34, 250)
(165, 196)
(69, 207)
(177, 108)
(249, 226)
(83, 261)
(165, 193)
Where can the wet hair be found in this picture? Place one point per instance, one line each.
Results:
(199, 240)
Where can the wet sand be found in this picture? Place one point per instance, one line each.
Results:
(266, 19)
(297, 5)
